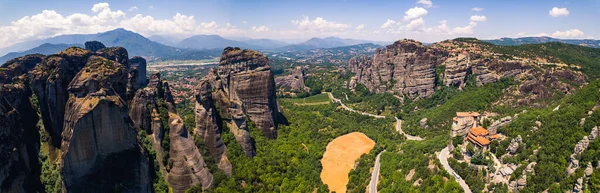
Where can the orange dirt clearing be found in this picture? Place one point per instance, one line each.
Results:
(340, 156)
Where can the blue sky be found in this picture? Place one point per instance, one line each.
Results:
(384, 20)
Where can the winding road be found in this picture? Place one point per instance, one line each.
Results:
(375, 175)
(399, 129)
(352, 110)
(443, 157)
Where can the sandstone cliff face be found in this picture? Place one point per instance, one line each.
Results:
(406, 67)
(208, 126)
(247, 78)
(100, 151)
(141, 108)
(188, 168)
(19, 140)
(50, 80)
(137, 74)
(294, 81)
(458, 68)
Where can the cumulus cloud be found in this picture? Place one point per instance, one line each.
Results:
(414, 13)
(558, 12)
(426, 3)
(360, 27)
(573, 33)
(476, 9)
(319, 24)
(416, 25)
(49, 23)
(262, 28)
(388, 24)
(134, 8)
(478, 18)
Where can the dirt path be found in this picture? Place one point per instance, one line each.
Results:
(340, 156)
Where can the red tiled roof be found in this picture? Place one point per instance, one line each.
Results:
(479, 131)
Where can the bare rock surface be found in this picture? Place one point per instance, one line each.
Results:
(19, 144)
(208, 126)
(50, 81)
(189, 168)
(294, 81)
(514, 145)
(406, 67)
(100, 151)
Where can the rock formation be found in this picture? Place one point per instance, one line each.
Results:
(233, 114)
(423, 123)
(100, 151)
(189, 168)
(19, 144)
(247, 78)
(50, 80)
(461, 125)
(458, 69)
(493, 129)
(138, 64)
(94, 46)
(406, 67)
(19, 66)
(208, 126)
(514, 145)
(581, 145)
(294, 81)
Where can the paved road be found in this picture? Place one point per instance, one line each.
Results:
(443, 157)
(399, 129)
(375, 174)
(350, 109)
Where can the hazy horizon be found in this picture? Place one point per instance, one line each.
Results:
(422, 20)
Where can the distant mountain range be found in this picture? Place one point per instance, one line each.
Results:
(46, 48)
(166, 48)
(328, 42)
(538, 40)
(136, 44)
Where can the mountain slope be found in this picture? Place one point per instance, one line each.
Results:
(537, 40)
(45, 49)
(265, 43)
(210, 42)
(136, 44)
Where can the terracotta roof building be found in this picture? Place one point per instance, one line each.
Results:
(478, 136)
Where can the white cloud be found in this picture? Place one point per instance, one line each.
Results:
(426, 3)
(319, 24)
(388, 24)
(360, 27)
(134, 8)
(414, 13)
(558, 12)
(244, 22)
(49, 23)
(416, 25)
(573, 33)
(151, 7)
(478, 18)
(262, 28)
(100, 7)
(476, 9)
